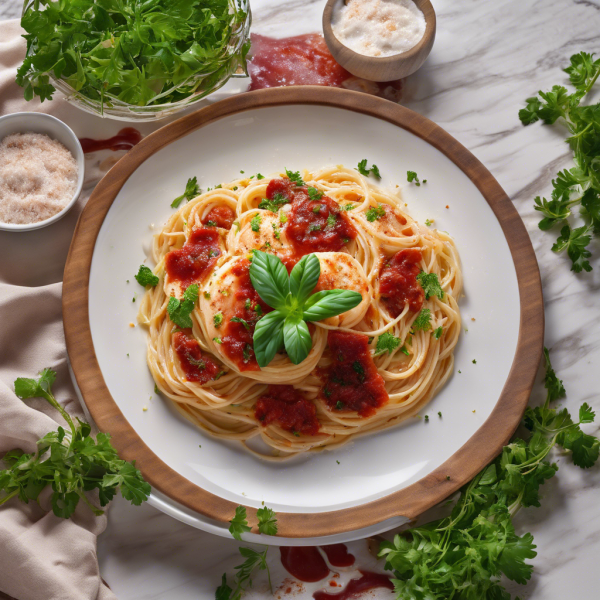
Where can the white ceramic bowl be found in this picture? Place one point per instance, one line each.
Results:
(34, 122)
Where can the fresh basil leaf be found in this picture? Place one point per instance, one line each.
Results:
(270, 279)
(304, 277)
(296, 338)
(268, 337)
(330, 303)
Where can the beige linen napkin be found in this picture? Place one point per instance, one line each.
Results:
(42, 557)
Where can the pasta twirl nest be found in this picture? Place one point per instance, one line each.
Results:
(365, 369)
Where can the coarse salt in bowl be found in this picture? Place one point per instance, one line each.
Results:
(40, 123)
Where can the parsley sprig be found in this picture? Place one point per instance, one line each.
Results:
(145, 276)
(70, 461)
(365, 170)
(191, 191)
(465, 554)
(180, 311)
(294, 305)
(579, 185)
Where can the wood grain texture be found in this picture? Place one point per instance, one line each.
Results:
(477, 452)
(387, 68)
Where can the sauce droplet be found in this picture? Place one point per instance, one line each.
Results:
(338, 555)
(304, 563)
(126, 139)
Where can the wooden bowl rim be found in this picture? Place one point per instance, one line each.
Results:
(408, 502)
(336, 46)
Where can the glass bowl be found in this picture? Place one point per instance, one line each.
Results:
(233, 65)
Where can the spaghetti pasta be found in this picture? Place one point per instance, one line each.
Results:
(365, 241)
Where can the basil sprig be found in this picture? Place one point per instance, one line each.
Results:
(294, 305)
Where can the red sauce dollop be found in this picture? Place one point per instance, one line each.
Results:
(304, 563)
(309, 228)
(398, 282)
(299, 60)
(367, 581)
(237, 340)
(352, 381)
(223, 216)
(196, 365)
(338, 555)
(191, 263)
(288, 408)
(126, 139)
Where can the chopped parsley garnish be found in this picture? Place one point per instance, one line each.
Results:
(218, 319)
(217, 340)
(431, 285)
(428, 222)
(314, 227)
(440, 414)
(276, 230)
(412, 176)
(242, 321)
(387, 342)
(423, 321)
(275, 204)
(346, 240)
(207, 295)
(339, 405)
(191, 191)
(239, 523)
(246, 352)
(314, 193)
(199, 363)
(363, 169)
(331, 220)
(179, 312)
(405, 351)
(437, 334)
(259, 176)
(267, 521)
(426, 418)
(316, 208)
(211, 223)
(359, 370)
(347, 207)
(374, 213)
(283, 218)
(255, 223)
(258, 309)
(295, 177)
(474, 362)
(145, 276)
(247, 304)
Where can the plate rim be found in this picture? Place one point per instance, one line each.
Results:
(482, 447)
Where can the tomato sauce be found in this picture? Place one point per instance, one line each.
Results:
(304, 563)
(398, 283)
(288, 408)
(312, 225)
(191, 263)
(338, 555)
(126, 139)
(237, 340)
(219, 216)
(367, 581)
(352, 381)
(196, 365)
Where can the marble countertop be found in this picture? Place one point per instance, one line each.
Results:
(488, 57)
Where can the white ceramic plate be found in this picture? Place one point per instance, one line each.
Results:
(305, 136)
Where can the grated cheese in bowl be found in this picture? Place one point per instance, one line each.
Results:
(38, 178)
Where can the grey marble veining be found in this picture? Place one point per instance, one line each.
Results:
(488, 57)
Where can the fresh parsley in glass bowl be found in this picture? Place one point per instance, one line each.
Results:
(133, 60)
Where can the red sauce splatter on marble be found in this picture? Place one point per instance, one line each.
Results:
(338, 555)
(126, 139)
(288, 408)
(237, 339)
(222, 216)
(312, 225)
(196, 365)
(306, 60)
(351, 382)
(398, 283)
(367, 581)
(304, 563)
(191, 263)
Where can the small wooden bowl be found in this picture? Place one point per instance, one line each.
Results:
(386, 68)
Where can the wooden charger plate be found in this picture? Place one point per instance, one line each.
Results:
(379, 480)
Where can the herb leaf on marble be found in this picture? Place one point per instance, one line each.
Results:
(580, 185)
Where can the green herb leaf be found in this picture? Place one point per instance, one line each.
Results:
(296, 338)
(275, 204)
(295, 177)
(363, 169)
(423, 320)
(304, 277)
(255, 223)
(412, 176)
(387, 342)
(437, 334)
(239, 523)
(267, 521)
(431, 285)
(179, 312)
(313, 193)
(269, 278)
(268, 337)
(374, 213)
(146, 277)
(329, 303)
(191, 191)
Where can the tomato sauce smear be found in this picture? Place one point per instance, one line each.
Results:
(351, 382)
(237, 341)
(219, 216)
(288, 408)
(398, 283)
(191, 263)
(312, 225)
(196, 365)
